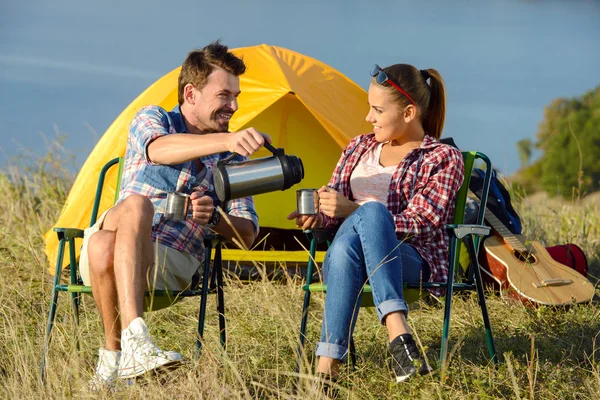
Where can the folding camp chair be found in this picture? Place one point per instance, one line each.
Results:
(471, 280)
(212, 278)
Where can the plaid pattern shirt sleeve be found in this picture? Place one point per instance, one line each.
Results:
(427, 211)
(244, 208)
(147, 125)
(340, 179)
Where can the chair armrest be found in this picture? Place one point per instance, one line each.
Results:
(68, 233)
(460, 231)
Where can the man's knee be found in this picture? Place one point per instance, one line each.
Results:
(138, 204)
(134, 208)
(101, 250)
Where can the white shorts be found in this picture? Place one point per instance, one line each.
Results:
(175, 269)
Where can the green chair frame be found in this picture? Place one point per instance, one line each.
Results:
(471, 280)
(212, 278)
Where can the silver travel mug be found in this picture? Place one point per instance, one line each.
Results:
(307, 201)
(177, 206)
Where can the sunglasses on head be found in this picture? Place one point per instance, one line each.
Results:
(381, 77)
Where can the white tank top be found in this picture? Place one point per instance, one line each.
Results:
(370, 181)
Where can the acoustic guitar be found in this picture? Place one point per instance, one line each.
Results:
(528, 271)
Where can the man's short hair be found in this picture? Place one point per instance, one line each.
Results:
(200, 63)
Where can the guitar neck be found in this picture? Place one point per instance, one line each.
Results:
(510, 238)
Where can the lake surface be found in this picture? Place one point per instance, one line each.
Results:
(72, 67)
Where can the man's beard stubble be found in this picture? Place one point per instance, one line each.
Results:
(213, 126)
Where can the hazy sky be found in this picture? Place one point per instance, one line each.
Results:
(73, 66)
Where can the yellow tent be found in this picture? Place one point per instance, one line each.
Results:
(309, 109)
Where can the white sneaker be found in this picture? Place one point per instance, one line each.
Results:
(140, 354)
(105, 377)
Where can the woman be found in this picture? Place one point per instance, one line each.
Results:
(391, 195)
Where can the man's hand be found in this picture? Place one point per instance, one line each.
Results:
(202, 207)
(334, 205)
(306, 222)
(247, 141)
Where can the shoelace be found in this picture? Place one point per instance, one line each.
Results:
(407, 352)
(143, 345)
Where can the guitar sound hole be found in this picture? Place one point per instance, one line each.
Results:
(524, 257)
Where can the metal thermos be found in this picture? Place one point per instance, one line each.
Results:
(177, 206)
(307, 201)
(262, 175)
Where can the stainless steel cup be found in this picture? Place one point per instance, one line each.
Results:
(177, 206)
(307, 201)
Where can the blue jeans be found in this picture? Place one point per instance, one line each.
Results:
(365, 248)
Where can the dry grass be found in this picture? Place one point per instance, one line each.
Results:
(545, 353)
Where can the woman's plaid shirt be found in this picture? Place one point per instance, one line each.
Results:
(421, 218)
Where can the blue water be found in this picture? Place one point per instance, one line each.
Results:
(72, 67)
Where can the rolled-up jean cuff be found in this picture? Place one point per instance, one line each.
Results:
(390, 306)
(332, 350)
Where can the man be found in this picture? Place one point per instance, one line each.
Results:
(133, 247)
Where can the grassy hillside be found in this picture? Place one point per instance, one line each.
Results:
(545, 353)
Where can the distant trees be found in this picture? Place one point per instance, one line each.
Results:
(524, 149)
(569, 138)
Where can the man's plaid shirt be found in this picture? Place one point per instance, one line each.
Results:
(141, 176)
(421, 218)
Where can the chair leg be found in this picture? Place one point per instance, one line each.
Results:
(52, 312)
(446, 328)
(484, 313)
(74, 296)
(75, 312)
(203, 296)
(303, 323)
(220, 297)
(475, 276)
(448, 303)
(213, 275)
(49, 326)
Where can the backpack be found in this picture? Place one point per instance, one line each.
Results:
(498, 201)
(498, 198)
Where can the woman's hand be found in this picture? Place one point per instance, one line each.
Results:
(334, 205)
(307, 222)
